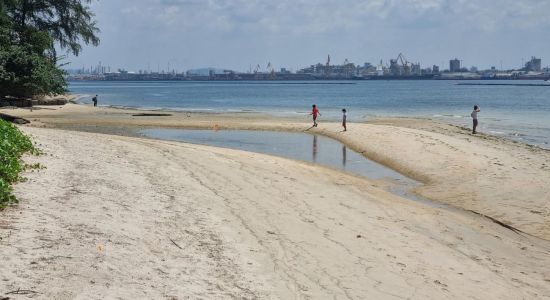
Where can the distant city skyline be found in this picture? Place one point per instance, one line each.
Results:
(534, 64)
(238, 35)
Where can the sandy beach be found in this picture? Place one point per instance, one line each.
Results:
(492, 176)
(116, 215)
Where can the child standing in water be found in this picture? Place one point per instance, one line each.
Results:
(344, 117)
(474, 118)
(314, 113)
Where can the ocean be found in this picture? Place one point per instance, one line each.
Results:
(518, 112)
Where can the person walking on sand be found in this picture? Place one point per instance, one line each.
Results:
(94, 100)
(474, 118)
(344, 117)
(315, 112)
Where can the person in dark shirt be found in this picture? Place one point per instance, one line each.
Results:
(344, 118)
(474, 118)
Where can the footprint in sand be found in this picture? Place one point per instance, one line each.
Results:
(439, 283)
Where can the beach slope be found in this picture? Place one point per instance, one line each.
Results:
(495, 177)
(114, 216)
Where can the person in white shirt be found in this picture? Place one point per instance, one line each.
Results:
(474, 118)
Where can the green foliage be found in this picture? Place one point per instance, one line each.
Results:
(24, 68)
(30, 31)
(25, 73)
(13, 144)
(68, 22)
(35, 166)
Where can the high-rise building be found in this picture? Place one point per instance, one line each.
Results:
(415, 69)
(435, 69)
(454, 65)
(533, 65)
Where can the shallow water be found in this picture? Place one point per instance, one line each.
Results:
(300, 146)
(517, 112)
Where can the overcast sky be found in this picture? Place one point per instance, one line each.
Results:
(236, 34)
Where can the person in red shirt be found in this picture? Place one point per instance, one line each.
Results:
(315, 112)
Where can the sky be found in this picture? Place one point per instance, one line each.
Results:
(240, 34)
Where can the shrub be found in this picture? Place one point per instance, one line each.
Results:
(13, 144)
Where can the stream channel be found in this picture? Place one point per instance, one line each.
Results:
(307, 147)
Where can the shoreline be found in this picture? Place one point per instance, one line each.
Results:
(412, 122)
(451, 120)
(483, 173)
(294, 116)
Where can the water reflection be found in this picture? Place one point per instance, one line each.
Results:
(301, 146)
(322, 150)
(314, 148)
(344, 156)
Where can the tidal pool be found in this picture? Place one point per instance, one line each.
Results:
(300, 146)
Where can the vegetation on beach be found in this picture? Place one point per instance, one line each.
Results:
(31, 31)
(13, 144)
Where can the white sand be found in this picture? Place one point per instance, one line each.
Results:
(492, 176)
(132, 218)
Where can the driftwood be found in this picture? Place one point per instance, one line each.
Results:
(171, 240)
(151, 115)
(13, 119)
(21, 292)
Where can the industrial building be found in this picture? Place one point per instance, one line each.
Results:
(454, 65)
(398, 68)
(535, 65)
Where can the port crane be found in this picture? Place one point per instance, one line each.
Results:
(327, 66)
(400, 65)
(257, 69)
(405, 63)
(271, 70)
(403, 60)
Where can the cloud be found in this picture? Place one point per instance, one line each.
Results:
(291, 31)
(314, 17)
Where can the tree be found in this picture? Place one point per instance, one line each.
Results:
(68, 22)
(25, 72)
(30, 31)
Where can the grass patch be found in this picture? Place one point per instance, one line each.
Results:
(13, 144)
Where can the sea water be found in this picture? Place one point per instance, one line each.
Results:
(517, 112)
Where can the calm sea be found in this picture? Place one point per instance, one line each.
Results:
(517, 112)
